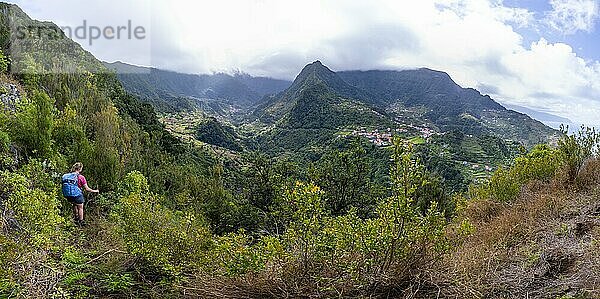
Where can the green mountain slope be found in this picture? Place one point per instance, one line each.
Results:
(312, 74)
(316, 107)
(308, 115)
(215, 133)
(447, 105)
(152, 83)
(41, 47)
(422, 96)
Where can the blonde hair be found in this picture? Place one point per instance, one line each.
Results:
(77, 167)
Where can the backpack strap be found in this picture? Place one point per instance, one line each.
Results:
(70, 180)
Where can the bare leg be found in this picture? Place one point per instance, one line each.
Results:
(79, 211)
(75, 212)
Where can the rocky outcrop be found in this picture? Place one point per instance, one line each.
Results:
(9, 96)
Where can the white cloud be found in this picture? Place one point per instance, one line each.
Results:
(552, 76)
(475, 41)
(570, 16)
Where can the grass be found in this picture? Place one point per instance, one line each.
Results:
(417, 140)
(544, 245)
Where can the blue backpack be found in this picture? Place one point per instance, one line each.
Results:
(69, 185)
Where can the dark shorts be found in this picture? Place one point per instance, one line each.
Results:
(76, 199)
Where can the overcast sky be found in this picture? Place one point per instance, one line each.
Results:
(541, 54)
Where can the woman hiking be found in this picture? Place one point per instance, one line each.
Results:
(72, 185)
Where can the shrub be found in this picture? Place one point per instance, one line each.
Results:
(134, 182)
(345, 178)
(540, 163)
(117, 282)
(234, 254)
(169, 241)
(397, 242)
(3, 63)
(31, 127)
(5, 158)
(575, 149)
(32, 214)
(69, 136)
(4, 142)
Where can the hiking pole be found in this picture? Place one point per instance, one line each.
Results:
(92, 198)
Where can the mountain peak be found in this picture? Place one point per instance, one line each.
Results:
(314, 76)
(317, 73)
(316, 68)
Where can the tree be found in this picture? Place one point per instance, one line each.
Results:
(32, 125)
(345, 179)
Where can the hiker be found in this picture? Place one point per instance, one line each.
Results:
(72, 185)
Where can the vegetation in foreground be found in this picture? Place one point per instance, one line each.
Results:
(176, 220)
(187, 225)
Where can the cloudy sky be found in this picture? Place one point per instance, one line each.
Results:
(541, 54)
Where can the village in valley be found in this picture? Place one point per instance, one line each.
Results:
(383, 138)
(420, 135)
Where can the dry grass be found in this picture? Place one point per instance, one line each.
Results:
(287, 281)
(263, 286)
(544, 245)
(589, 175)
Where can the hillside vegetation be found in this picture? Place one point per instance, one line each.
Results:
(355, 220)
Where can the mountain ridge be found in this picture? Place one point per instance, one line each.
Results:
(154, 83)
(403, 95)
(449, 105)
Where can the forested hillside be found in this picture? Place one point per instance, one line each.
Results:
(461, 135)
(154, 85)
(350, 218)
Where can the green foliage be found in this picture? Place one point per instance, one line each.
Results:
(346, 179)
(117, 282)
(399, 235)
(31, 127)
(575, 149)
(104, 164)
(5, 158)
(339, 228)
(134, 182)
(3, 62)
(72, 258)
(540, 163)
(263, 182)
(304, 234)
(9, 289)
(318, 108)
(170, 242)
(235, 255)
(503, 186)
(408, 223)
(34, 214)
(426, 188)
(213, 132)
(40, 175)
(69, 136)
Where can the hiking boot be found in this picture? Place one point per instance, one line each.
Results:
(81, 223)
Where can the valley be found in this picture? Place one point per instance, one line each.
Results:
(303, 118)
(391, 183)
